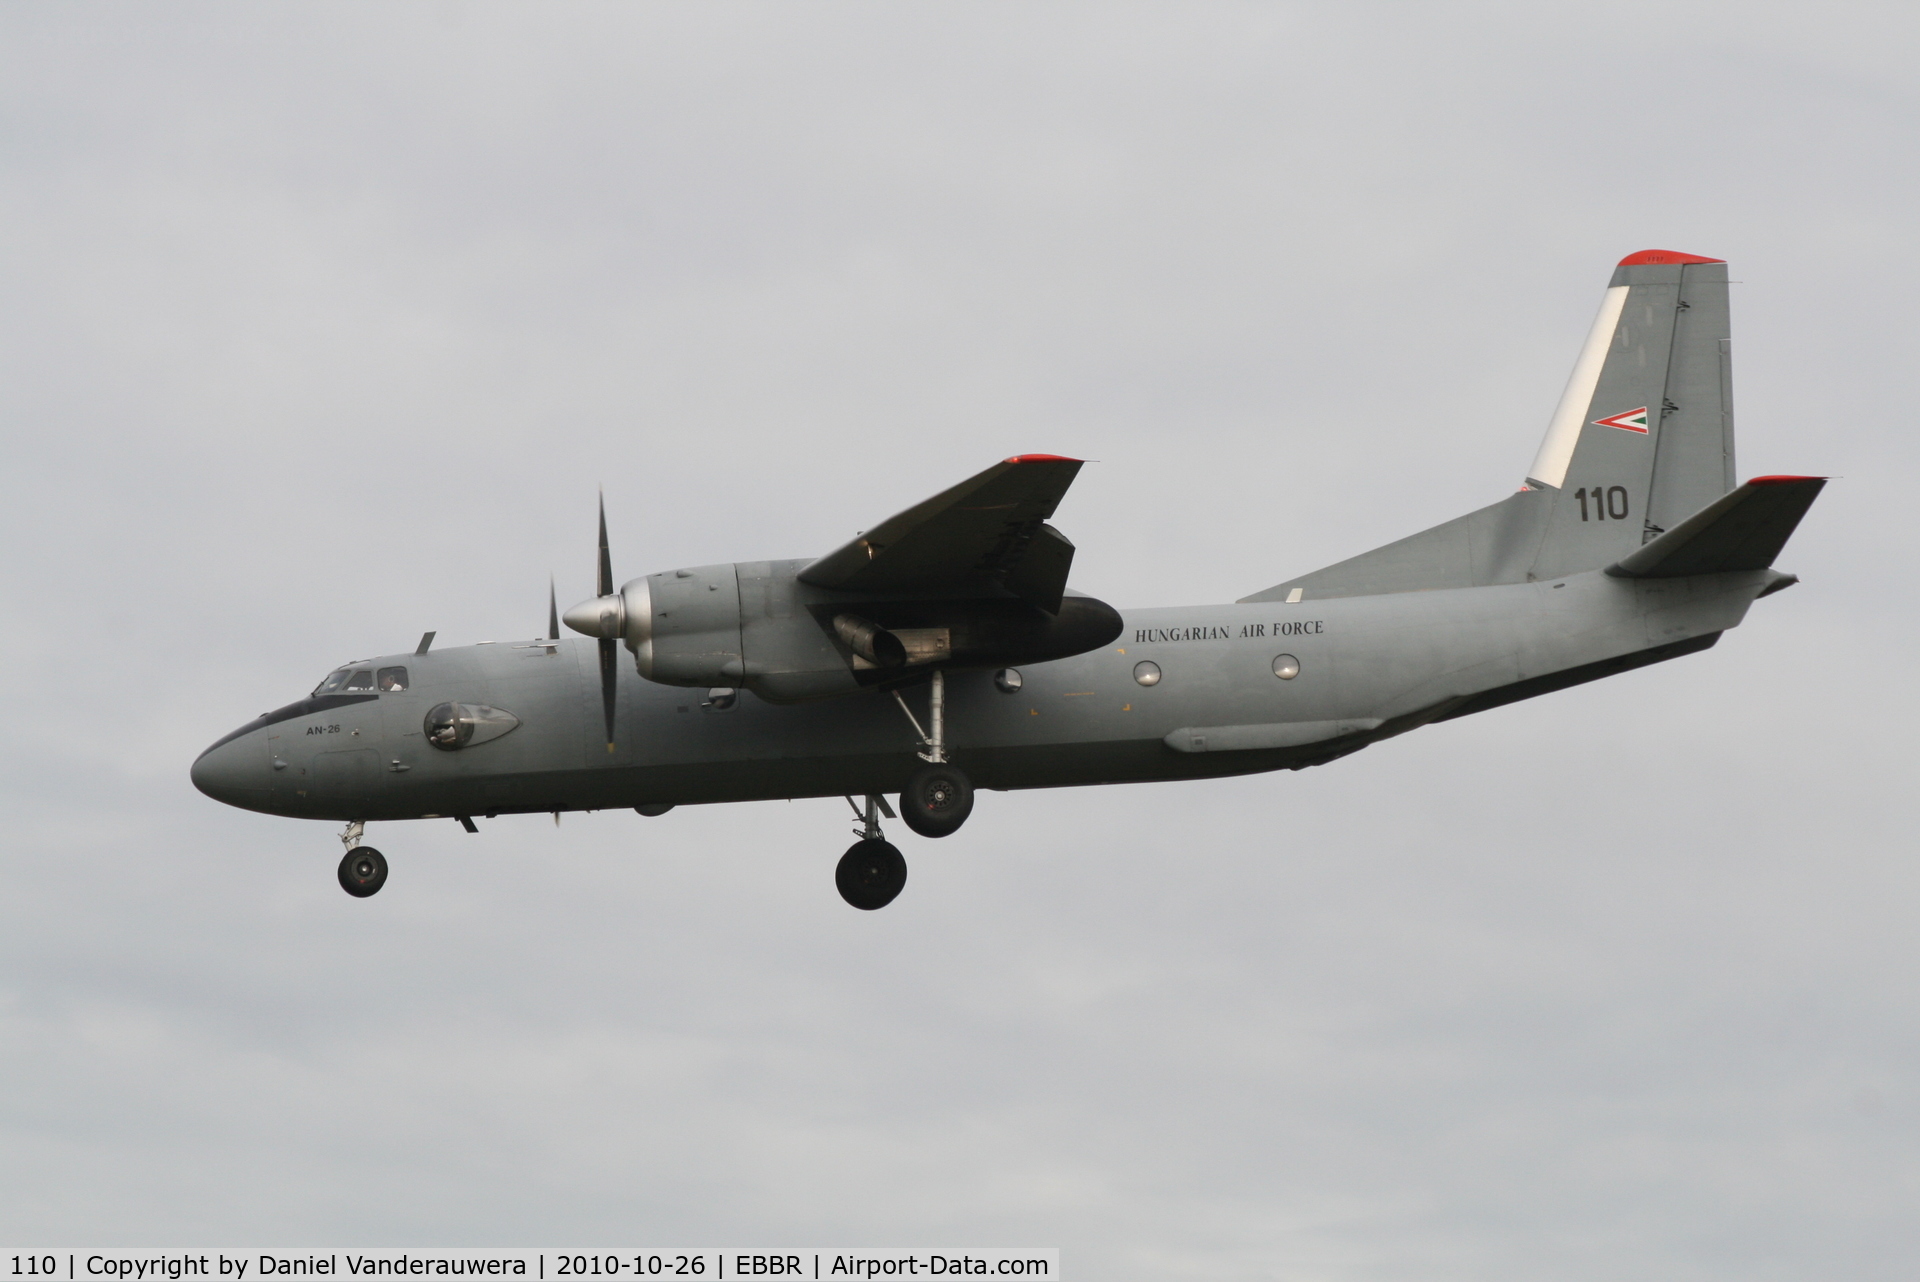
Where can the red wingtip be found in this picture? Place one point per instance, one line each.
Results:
(1782, 480)
(1647, 257)
(1043, 458)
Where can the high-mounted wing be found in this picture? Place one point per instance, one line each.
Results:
(989, 529)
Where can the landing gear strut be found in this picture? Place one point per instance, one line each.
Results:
(939, 797)
(363, 870)
(871, 874)
(935, 802)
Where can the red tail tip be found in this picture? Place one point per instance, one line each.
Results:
(1782, 480)
(1043, 458)
(1648, 257)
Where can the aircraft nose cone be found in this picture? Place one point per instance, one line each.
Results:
(235, 770)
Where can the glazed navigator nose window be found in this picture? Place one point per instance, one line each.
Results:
(452, 726)
(446, 728)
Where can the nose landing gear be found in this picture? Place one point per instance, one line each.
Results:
(363, 870)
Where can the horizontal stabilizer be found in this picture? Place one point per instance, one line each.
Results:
(1744, 530)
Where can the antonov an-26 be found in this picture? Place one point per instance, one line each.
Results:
(942, 650)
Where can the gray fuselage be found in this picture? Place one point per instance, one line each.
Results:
(1369, 667)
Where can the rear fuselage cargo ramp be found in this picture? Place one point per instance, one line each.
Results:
(708, 1264)
(942, 651)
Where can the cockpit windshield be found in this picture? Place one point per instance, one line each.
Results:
(354, 679)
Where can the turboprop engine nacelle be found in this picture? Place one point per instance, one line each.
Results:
(753, 625)
(757, 625)
(683, 626)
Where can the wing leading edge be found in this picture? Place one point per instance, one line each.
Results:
(991, 529)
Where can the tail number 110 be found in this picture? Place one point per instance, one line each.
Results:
(1610, 506)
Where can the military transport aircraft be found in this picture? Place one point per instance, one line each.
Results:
(942, 650)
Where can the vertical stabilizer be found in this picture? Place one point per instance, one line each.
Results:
(1641, 439)
(1643, 434)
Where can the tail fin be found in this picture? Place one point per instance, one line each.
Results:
(1642, 438)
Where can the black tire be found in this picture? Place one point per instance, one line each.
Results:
(363, 870)
(871, 874)
(937, 801)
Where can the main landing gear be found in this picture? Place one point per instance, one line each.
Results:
(871, 874)
(938, 798)
(935, 802)
(363, 870)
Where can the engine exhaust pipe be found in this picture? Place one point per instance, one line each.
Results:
(870, 641)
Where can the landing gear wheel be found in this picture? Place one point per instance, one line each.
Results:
(363, 871)
(937, 800)
(871, 874)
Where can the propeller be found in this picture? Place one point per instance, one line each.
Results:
(551, 642)
(609, 647)
(606, 617)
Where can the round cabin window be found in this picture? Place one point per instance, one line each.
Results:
(1008, 680)
(1286, 667)
(1147, 672)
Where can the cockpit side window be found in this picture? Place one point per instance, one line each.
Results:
(334, 681)
(393, 680)
(362, 679)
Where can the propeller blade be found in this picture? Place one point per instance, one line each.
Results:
(609, 673)
(606, 561)
(608, 676)
(553, 611)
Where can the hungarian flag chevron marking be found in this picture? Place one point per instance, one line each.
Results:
(1631, 421)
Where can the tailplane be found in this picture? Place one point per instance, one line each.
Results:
(1744, 530)
(1641, 439)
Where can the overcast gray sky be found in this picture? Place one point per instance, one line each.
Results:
(323, 324)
